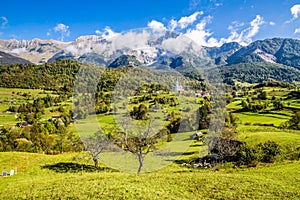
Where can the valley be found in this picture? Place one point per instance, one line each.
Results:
(166, 109)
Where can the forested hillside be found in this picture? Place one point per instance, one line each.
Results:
(58, 76)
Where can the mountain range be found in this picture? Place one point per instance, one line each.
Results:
(277, 55)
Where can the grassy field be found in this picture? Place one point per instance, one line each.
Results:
(262, 118)
(7, 119)
(16, 97)
(235, 105)
(257, 134)
(62, 177)
(59, 177)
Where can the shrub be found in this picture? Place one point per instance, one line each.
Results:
(291, 152)
(262, 152)
(225, 148)
(268, 150)
(294, 122)
(140, 112)
(247, 155)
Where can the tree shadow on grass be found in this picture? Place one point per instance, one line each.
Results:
(196, 145)
(180, 160)
(70, 167)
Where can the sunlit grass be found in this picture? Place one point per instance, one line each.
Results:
(276, 181)
(7, 119)
(255, 135)
(265, 118)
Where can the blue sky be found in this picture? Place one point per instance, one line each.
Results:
(210, 22)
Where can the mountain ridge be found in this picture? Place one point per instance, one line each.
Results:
(261, 60)
(282, 51)
(96, 49)
(8, 59)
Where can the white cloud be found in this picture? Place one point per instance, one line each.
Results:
(63, 30)
(245, 35)
(192, 27)
(255, 26)
(295, 10)
(235, 26)
(156, 26)
(108, 33)
(3, 21)
(297, 30)
(272, 23)
(130, 40)
(203, 36)
(199, 34)
(172, 24)
(98, 32)
(184, 22)
(180, 44)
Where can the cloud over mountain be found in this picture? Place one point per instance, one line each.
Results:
(63, 30)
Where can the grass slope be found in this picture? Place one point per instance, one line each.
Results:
(278, 181)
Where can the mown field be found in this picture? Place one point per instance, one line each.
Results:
(62, 177)
(59, 177)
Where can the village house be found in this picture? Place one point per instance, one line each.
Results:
(202, 94)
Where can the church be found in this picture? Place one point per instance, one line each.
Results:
(178, 87)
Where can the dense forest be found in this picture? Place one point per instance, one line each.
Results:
(56, 76)
(258, 72)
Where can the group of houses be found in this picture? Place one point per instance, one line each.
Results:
(179, 89)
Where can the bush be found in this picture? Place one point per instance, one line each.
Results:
(263, 152)
(294, 122)
(140, 112)
(247, 155)
(291, 152)
(225, 148)
(268, 151)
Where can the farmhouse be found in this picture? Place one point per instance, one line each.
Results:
(196, 136)
(202, 94)
(22, 124)
(54, 117)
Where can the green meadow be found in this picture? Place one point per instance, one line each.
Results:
(59, 177)
(64, 176)
(262, 118)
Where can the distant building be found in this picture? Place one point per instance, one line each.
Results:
(196, 136)
(55, 117)
(22, 124)
(178, 88)
(202, 94)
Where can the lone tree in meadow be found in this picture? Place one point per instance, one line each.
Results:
(139, 140)
(96, 144)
